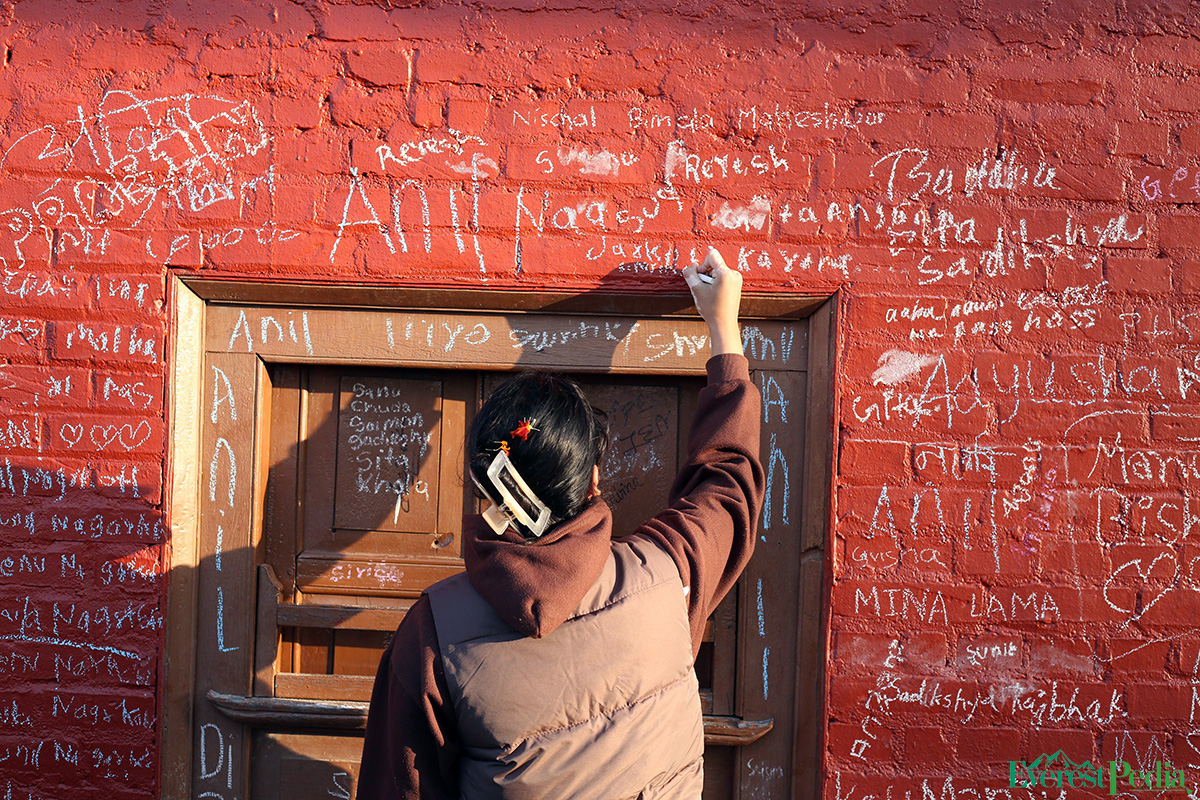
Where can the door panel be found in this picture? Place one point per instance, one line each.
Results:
(643, 452)
(388, 453)
(304, 766)
(381, 510)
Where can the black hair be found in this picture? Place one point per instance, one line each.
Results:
(569, 437)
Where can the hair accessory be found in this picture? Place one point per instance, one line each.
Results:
(517, 501)
(524, 428)
(504, 447)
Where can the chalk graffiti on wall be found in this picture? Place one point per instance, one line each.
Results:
(146, 164)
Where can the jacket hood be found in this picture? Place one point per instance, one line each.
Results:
(536, 586)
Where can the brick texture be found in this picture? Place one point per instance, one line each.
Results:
(1013, 238)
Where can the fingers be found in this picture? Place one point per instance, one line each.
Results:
(714, 260)
(710, 271)
(713, 270)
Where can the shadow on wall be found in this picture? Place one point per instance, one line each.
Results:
(81, 624)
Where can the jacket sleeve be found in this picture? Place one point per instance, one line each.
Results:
(709, 525)
(411, 746)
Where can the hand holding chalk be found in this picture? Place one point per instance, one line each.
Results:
(717, 292)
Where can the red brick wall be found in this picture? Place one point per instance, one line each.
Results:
(1005, 197)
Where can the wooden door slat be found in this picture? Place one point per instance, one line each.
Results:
(285, 452)
(459, 406)
(339, 617)
(266, 635)
(357, 652)
(325, 572)
(325, 687)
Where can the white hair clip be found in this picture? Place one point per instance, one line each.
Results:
(517, 501)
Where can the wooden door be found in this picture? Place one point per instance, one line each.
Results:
(365, 500)
(356, 509)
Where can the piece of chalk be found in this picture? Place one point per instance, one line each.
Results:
(705, 278)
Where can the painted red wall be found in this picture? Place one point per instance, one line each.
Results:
(1004, 197)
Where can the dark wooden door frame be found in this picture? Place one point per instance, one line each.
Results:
(190, 298)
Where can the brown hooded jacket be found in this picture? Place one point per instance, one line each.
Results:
(412, 747)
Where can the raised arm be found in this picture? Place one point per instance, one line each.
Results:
(713, 510)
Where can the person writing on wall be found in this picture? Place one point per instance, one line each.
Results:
(560, 664)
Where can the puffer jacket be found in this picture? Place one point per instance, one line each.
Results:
(421, 743)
